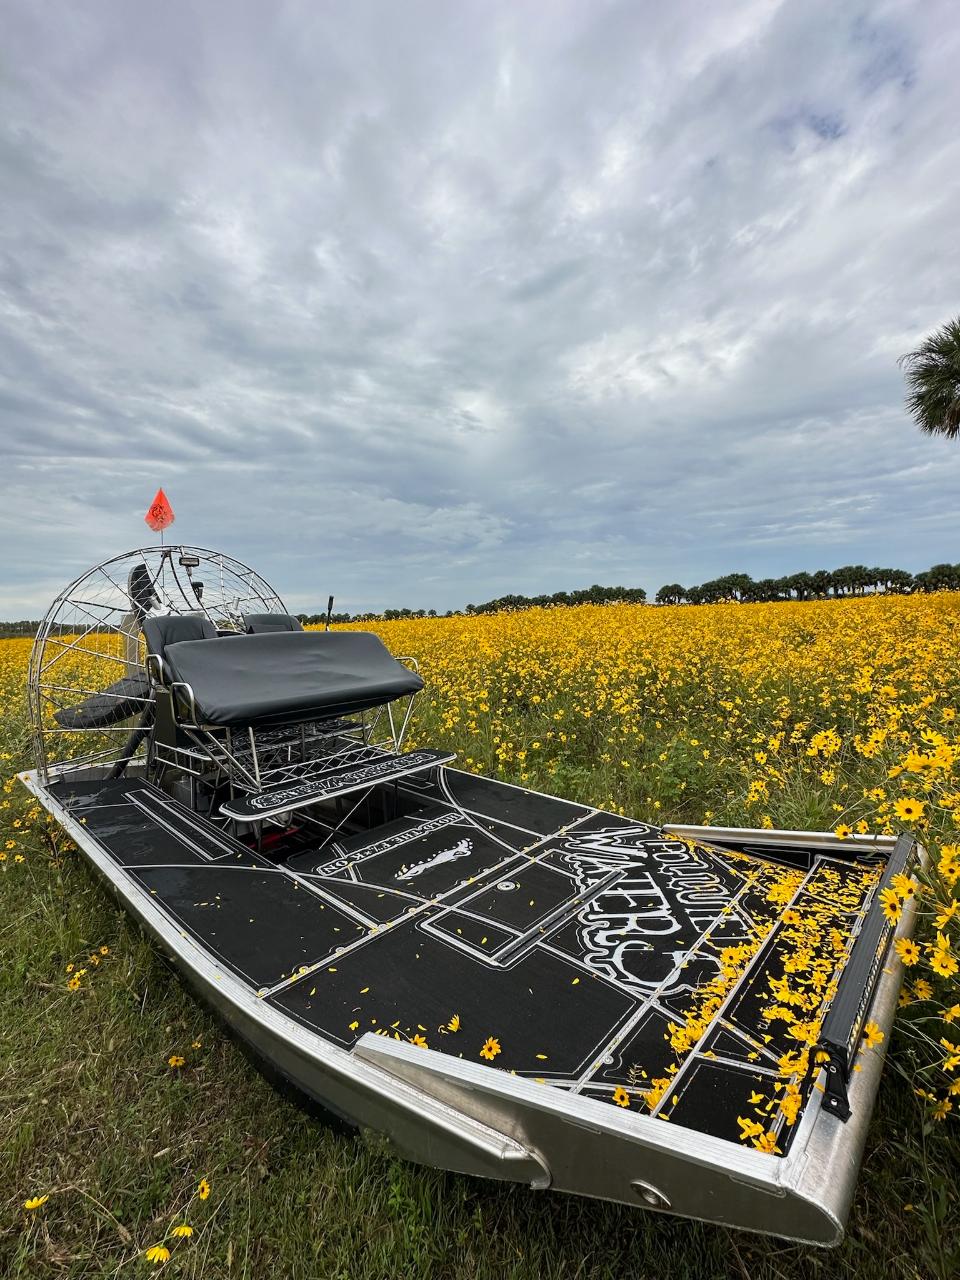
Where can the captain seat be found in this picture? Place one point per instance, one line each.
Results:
(170, 628)
(258, 624)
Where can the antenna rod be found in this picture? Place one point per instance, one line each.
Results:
(329, 613)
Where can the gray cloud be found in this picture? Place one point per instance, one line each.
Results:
(425, 303)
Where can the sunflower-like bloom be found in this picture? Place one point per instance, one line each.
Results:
(908, 951)
(908, 809)
(891, 904)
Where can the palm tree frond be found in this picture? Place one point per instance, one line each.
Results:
(932, 375)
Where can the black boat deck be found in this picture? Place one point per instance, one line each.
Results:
(574, 947)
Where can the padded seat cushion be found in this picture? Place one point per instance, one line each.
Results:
(262, 623)
(173, 628)
(288, 677)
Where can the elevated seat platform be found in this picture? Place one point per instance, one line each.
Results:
(333, 780)
(269, 712)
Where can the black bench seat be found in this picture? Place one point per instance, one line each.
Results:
(287, 677)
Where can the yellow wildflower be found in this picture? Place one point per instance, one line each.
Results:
(891, 904)
(908, 951)
(942, 961)
(905, 886)
(872, 1036)
(908, 809)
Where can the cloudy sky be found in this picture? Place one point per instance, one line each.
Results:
(423, 303)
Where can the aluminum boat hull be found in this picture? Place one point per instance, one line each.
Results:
(455, 1111)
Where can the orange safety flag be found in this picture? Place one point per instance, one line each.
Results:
(160, 515)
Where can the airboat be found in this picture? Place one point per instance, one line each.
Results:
(501, 982)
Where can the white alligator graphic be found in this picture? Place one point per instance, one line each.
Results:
(459, 850)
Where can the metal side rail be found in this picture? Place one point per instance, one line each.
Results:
(338, 781)
(844, 1022)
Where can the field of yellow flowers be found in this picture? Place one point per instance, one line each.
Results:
(836, 715)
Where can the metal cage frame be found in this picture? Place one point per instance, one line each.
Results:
(98, 602)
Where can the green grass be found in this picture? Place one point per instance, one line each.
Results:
(91, 1114)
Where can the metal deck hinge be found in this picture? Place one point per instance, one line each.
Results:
(835, 1097)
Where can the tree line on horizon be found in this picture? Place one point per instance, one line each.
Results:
(849, 580)
(503, 604)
